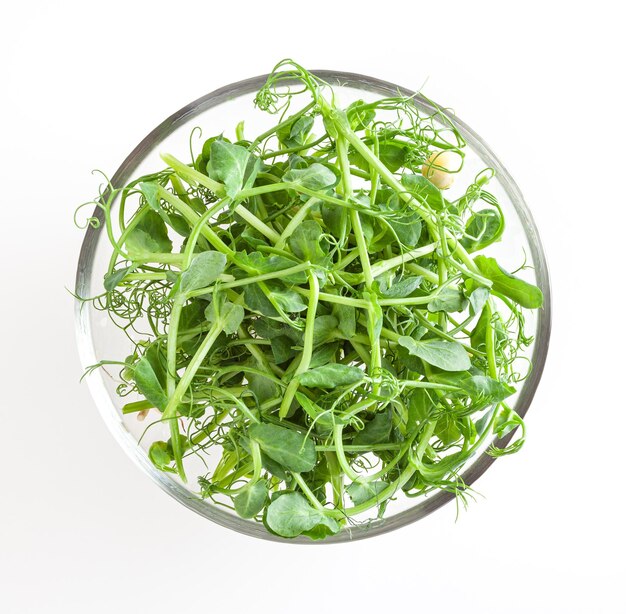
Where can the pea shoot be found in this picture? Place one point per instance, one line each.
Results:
(323, 331)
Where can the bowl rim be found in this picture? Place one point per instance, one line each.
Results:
(113, 419)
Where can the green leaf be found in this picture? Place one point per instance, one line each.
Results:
(295, 161)
(346, 316)
(269, 329)
(288, 300)
(252, 237)
(274, 468)
(420, 406)
(263, 388)
(291, 515)
(447, 429)
(360, 493)
(477, 337)
(252, 170)
(449, 300)
(192, 316)
(282, 349)
(391, 153)
(150, 191)
(206, 147)
(405, 221)
(315, 177)
(148, 383)
(486, 389)
(377, 430)
(400, 288)
(516, 289)
(204, 269)
(358, 116)
(484, 228)
(331, 376)
(324, 329)
(424, 190)
(295, 133)
(294, 451)
(483, 422)
(506, 421)
(305, 242)
(447, 355)
(256, 301)
(252, 500)
(323, 355)
(156, 355)
(477, 300)
(322, 530)
(181, 225)
(260, 264)
(335, 219)
(159, 454)
(228, 163)
(149, 236)
(413, 363)
(197, 204)
(112, 280)
(231, 316)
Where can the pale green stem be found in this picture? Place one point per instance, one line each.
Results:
(307, 491)
(296, 220)
(385, 265)
(307, 348)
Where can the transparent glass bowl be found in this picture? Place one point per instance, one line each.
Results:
(220, 110)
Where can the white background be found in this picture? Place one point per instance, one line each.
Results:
(83, 530)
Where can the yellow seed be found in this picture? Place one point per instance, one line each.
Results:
(440, 167)
(143, 414)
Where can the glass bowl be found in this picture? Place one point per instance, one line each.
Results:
(99, 339)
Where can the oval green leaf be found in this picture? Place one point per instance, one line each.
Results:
(447, 355)
(252, 500)
(331, 376)
(290, 515)
(293, 450)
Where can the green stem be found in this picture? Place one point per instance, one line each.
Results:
(341, 456)
(307, 491)
(391, 263)
(307, 348)
(290, 150)
(336, 477)
(178, 188)
(172, 344)
(175, 396)
(424, 272)
(192, 176)
(299, 268)
(159, 258)
(490, 342)
(334, 298)
(296, 220)
(255, 222)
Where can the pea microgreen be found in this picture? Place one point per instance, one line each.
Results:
(310, 314)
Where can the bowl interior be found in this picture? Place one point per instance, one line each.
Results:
(220, 111)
